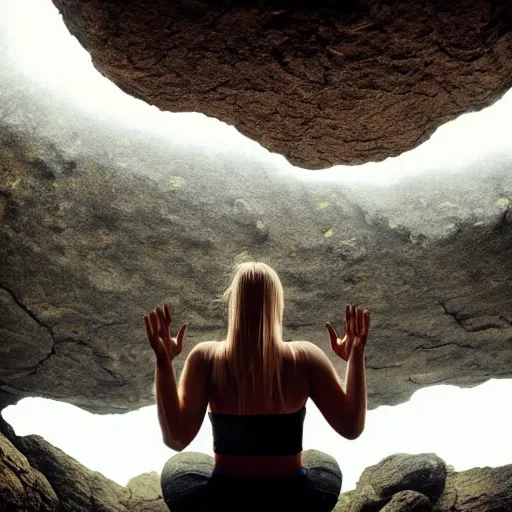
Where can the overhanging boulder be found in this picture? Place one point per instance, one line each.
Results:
(319, 81)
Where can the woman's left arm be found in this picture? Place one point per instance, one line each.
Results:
(180, 412)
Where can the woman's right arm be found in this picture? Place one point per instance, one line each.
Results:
(344, 410)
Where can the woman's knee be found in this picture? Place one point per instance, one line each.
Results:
(184, 477)
(324, 474)
(186, 462)
(316, 458)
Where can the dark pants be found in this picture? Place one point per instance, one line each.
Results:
(188, 485)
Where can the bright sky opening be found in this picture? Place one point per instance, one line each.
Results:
(466, 427)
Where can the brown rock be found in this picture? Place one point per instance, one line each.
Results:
(320, 82)
(408, 501)
(478, 490)
(23, 488)
(37, 477)
(402, 482)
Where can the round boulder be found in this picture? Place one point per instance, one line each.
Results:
(424, 473)
(408, 501)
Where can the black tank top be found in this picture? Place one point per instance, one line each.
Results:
(257, 434)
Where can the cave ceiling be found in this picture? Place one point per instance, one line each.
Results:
(88, 246)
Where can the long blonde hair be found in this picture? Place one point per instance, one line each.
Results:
(254, 344)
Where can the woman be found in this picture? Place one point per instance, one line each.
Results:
(256, 387)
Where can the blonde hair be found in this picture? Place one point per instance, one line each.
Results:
(254, 343)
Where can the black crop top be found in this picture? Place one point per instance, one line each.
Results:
(257, 434)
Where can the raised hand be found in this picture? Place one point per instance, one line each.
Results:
(357, 327)
(158, 329)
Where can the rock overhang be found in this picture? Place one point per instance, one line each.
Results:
(321, 82)
(87, 251)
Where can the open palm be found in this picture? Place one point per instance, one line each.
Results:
(158, 329)
(357, 327)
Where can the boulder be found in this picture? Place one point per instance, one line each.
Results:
(408, 501)
(478, 490)
(424, 473)
(37, 477)
(321, 82)
(424, 483)
(23, 488)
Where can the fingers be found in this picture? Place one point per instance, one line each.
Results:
(168, 316)
(349, 321)
(149, 329)
(181, 336)
(154, 322)
(162, 323)
(333, 336)
(366, 323)
(357, 321)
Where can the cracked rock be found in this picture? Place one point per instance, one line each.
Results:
(85, 255)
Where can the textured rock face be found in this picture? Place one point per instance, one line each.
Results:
(88, 247)
(37, 477)
(320, 82)
(421, 483)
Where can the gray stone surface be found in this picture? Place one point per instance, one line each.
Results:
(408, 501)
(478, 490)
(320, 82)
(424, 473)
(22, 488)
(90, 241)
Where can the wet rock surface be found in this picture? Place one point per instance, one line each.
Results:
(321, 82)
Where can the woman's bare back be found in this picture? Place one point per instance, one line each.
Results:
(295, 379)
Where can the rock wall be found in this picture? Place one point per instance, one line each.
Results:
(88, 245)
(321, 82)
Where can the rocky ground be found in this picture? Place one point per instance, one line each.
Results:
(36, 477)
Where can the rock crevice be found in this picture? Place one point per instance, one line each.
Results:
(22, 306)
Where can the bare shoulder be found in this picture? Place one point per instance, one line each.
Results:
(205, 350)
(306, 351)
